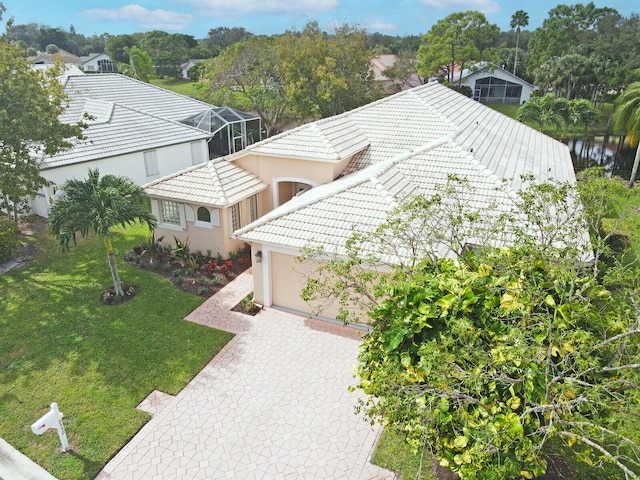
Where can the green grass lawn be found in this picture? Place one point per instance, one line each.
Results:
(184, 87)
(58, 344)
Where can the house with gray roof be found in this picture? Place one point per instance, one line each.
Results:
(140, 131)
(323, 179)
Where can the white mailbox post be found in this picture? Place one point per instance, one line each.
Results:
(52, 419)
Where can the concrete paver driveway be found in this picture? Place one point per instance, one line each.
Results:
(273, 404)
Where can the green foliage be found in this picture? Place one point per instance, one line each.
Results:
(326, 74)
(247, 76)
(9, 239)
(99, 362)
(627, 118)
(31, 102)
(487, 357)
(99, 204)
(455, 42)
(139, 66)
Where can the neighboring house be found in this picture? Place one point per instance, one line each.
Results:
(98, 63)
(43, 58)
(496, 85)
(380, 63)
(141, 131)
(325, 177)
(186, 66)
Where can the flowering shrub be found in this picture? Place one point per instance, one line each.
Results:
(229, 263)
(224, 269)
(243, 260)
(211, 267)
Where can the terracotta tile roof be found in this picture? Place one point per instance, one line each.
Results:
(215, 183)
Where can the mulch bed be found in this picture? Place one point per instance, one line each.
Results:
(211, 274)
(110, 298)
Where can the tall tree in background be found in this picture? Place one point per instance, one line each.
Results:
(246, 75)
(140, 65)
(518, 19)
(455, 42)
(30, 103)
(98, 204)
(326, 74)
(627, 117)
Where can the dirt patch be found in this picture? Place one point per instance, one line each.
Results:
(110, 298)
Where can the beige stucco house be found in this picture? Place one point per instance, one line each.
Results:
(318, 181)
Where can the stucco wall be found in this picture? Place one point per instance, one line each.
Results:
(279, 280)
(171, 159)
(278, 173)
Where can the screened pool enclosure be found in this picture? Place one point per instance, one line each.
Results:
(231, 130)
(497, 90)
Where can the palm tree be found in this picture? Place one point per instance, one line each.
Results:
(518, 19)
(540, 110)
(98, 204)
(140, 64)
(628, 118)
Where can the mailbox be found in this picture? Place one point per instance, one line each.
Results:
(52, 419)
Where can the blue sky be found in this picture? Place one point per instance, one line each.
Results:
(196, 17)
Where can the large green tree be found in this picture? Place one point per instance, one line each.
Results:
(628, 119)
(30, 103)
(326, 74)
(140, 65)
(455, 42)
(97, 204)
(484, 359)
(247, 75)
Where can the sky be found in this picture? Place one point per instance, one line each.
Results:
(267, 17)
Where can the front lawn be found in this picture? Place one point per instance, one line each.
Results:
(58, 344)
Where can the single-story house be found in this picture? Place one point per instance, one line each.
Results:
(141, 131)
(325, 177)
(491, 84)
(98, 63)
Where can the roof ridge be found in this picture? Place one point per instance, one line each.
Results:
(367, 174)
(212, 168)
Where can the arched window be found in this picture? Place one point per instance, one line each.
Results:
(204, 215)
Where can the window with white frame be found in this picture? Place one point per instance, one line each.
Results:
(151, 164)
(196, 153)
(253, 208)
(203, 215)
(234, 213)
(170, 212)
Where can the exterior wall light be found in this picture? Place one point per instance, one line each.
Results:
(258, 256)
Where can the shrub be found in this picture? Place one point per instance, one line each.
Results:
(211, 267)
(202, 281)
(202, 290)
(176, 273)
(224, 269)
(9, 239)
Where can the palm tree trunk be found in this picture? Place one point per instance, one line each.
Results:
(515, 61)
(634, 171)
(114, 268)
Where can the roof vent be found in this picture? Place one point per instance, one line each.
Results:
(98, 111)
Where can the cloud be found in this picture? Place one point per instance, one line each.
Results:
(224, 8)
(378, 25)
(160, 19)
(484, 6)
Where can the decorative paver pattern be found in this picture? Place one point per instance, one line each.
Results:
(273, 404)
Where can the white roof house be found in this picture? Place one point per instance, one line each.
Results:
(138, 130)
(359, 165)
(493, 84)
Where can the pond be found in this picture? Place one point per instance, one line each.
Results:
(611, 152)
